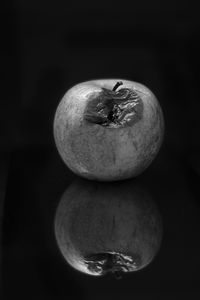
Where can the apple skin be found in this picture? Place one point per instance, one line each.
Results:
(102, 153)
(95, 220)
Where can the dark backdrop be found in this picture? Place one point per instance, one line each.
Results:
(49, 47)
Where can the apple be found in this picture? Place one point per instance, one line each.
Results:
(109, 129)
(103, 227)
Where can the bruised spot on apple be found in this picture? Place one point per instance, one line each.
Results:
(108, 227)
(108, 129)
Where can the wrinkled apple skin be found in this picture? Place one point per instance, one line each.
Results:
(99, 153)
(96, 218)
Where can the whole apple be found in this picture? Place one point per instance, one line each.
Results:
(109, 129)
(107, 227)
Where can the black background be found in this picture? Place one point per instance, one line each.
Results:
(49, 47)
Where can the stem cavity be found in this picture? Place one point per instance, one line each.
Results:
(117, 263)
(113, 109)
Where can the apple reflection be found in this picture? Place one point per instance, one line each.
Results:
(107, 227)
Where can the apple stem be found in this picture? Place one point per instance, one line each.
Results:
(117, 85)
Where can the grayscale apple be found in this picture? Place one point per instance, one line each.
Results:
(109, 129)
(107, 227)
